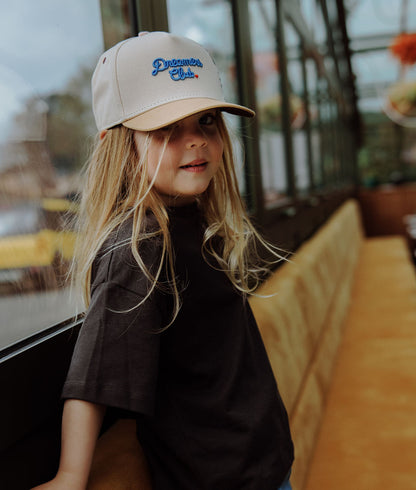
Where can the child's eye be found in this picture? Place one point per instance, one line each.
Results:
(208, 119)
(166, 130)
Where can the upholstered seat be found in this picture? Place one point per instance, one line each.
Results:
(339, 327)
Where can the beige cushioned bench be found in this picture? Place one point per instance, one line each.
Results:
(340, 335)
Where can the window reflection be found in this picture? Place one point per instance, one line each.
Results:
(314, 121)
(46, 120)
(327, 119)
(317, 24)
(385, 17)
(266, 65)
(297, 108)
(116, 22)
(308, 10)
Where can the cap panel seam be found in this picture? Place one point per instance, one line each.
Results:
(117, 78)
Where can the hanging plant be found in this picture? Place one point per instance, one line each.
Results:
(403, 47)
(402, 97)
(399, 100)
(270, 112)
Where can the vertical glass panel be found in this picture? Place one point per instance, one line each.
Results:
(211, 25)
(297, 108)
(407, 170)
(325, 116)
(385, 16)
(319, 30)
(308, 11)
(116, 23)
(332, 10)
(375, 70)
(269, 104)
(315, 19)
(49, 50)
(336, 143)
(345, 144)
(314, 121)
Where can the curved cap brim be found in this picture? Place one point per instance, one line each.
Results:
(174, 111)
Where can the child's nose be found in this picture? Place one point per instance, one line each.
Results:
(196, 138)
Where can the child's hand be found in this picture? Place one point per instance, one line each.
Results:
(62, 481)
(81, 424)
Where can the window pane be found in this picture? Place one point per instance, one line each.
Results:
(210, 24)
(266, 65)
(116, 23)
(384, 15)
(49, 51)
(314, 122)
(327, 137)
(336, 143)
(308, 9)
(297, 108)
(315, 20)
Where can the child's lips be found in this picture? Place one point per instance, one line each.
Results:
(195, 166)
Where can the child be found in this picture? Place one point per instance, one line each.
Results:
(167, 256)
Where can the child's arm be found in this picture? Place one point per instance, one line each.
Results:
(81, 424)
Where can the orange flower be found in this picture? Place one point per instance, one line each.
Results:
(404, 48)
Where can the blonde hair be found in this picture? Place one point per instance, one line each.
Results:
(116, 187)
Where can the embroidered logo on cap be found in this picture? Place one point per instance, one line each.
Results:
(177, 71)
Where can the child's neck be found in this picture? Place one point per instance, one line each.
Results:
(177, 201)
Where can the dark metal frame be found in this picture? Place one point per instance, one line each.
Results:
(32, 373)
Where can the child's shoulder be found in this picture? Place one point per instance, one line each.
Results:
(115, 261)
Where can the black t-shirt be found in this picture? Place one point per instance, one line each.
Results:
(209, 415)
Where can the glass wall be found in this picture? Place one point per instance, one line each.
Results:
(296, 85)
(312, 79)
(49, 50)
(263, 29)
(296, 147)
(298, 110)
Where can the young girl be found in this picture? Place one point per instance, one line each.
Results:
(167, 256)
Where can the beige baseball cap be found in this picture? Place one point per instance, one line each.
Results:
(155, 79)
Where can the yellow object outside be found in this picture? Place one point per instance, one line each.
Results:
(36, 250)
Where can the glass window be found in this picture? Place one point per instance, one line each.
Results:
(318, 26)
(332, 10)
(49, 50)
(116, 22)
(407, 170)
(375, 69)
(211, 25)
(314, 121)
(327, 133)
(308, 12)
(384, 14)
(269, 103)
(297, 108)
(384, 89)
(336, 142)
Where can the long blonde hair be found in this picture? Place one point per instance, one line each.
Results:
(116, 187)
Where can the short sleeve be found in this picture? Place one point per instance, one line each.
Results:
(116, 356)
(115, 361)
